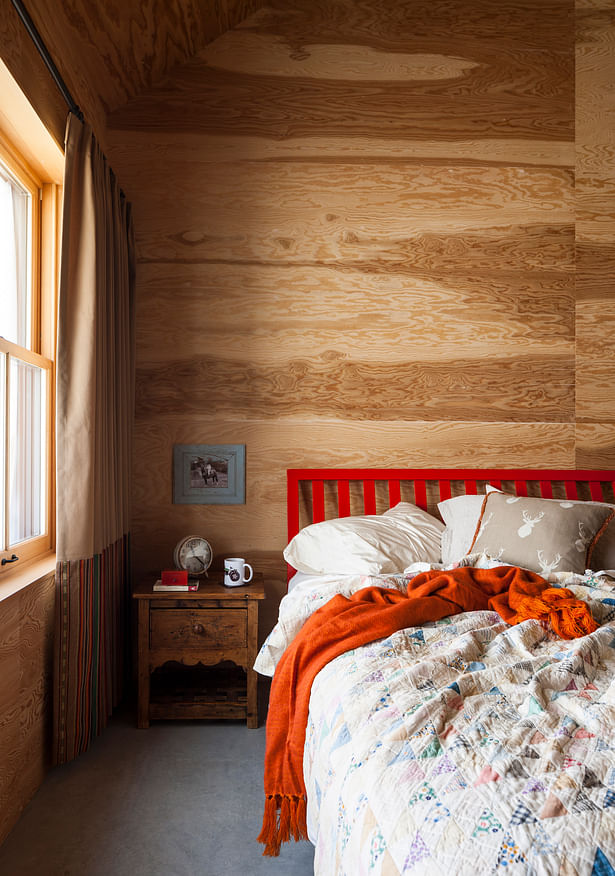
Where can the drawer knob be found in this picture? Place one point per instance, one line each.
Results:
(198, 629)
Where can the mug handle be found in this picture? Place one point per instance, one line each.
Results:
(247, 566)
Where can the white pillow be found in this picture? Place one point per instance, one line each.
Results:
(374, 544)
(460, 515)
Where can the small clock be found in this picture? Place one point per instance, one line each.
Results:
(193, 554)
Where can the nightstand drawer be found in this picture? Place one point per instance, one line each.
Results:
(198, 628)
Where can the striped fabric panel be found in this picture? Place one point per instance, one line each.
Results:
(92, 599)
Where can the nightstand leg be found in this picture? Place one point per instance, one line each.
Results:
(252, 677)
(143, 672)
(252, 721)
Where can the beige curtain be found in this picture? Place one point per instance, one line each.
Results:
(94, 412)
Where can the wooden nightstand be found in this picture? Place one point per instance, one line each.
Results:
(204, 628)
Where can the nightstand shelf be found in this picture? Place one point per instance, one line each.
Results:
(196, 650)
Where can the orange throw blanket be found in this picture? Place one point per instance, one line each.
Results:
(374, 613)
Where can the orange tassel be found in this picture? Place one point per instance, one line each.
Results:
(301, 820)
(284, 827)
(569, 617)
(291, 821)
(269, 830)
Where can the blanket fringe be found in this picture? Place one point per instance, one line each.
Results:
(291, 821)
(569, 617)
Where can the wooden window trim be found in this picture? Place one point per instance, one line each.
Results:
(45, 217)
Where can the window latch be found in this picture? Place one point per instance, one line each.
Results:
(5, 560)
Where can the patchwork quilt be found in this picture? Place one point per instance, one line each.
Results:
(461, 747)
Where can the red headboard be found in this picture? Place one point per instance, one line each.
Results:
(323, 493)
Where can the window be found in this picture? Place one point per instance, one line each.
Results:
(26, 373)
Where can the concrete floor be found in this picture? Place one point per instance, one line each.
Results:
(178, 799)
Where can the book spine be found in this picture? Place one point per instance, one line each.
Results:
(170, 588)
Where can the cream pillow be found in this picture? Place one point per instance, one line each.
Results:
(542, 535)
(373, 544)
(603, 554)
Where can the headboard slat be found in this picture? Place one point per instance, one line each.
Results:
(420, 494)
(546, 490)
(394, 492)
(571, 490)
(595, 491)
(444, 490)
(318, 501)
(343, 498)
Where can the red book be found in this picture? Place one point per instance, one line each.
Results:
(174, 578)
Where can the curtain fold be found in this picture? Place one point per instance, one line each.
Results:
(94, 414)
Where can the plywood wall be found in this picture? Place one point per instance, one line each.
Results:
(107, 52)
(356, 227)
(595, 232)
(26, 646)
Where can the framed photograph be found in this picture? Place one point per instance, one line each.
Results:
(209, 474)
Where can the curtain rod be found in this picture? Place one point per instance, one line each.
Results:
(42, 49)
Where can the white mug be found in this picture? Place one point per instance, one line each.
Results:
(237, 572)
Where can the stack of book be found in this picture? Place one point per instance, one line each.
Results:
(173, 583)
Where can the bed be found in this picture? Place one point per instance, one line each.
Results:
(464, 745)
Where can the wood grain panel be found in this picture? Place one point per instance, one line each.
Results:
(337, 213)
(594, 4)
(595, 219)
(25, 65)
(265, 313)
(275, 108)
(356, 237)
(264, 54)
(522, 389)
(595, 445)
(400, 25)
(517, 82)
(27, 620)
(107, 52)
(221, 149)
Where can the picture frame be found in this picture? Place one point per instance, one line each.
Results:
(209, 474)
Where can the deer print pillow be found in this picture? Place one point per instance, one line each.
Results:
(541, 535)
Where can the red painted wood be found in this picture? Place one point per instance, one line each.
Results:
(420, 494)
(419, 477)
(571, 490)
(394, 493)
(343, 498)
(595, 491)
(318, 501)
(483, 474)
(292, 503)
(444, 489)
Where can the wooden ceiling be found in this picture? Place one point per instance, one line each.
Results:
(108, 51)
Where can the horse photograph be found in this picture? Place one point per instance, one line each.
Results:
(208, 472)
